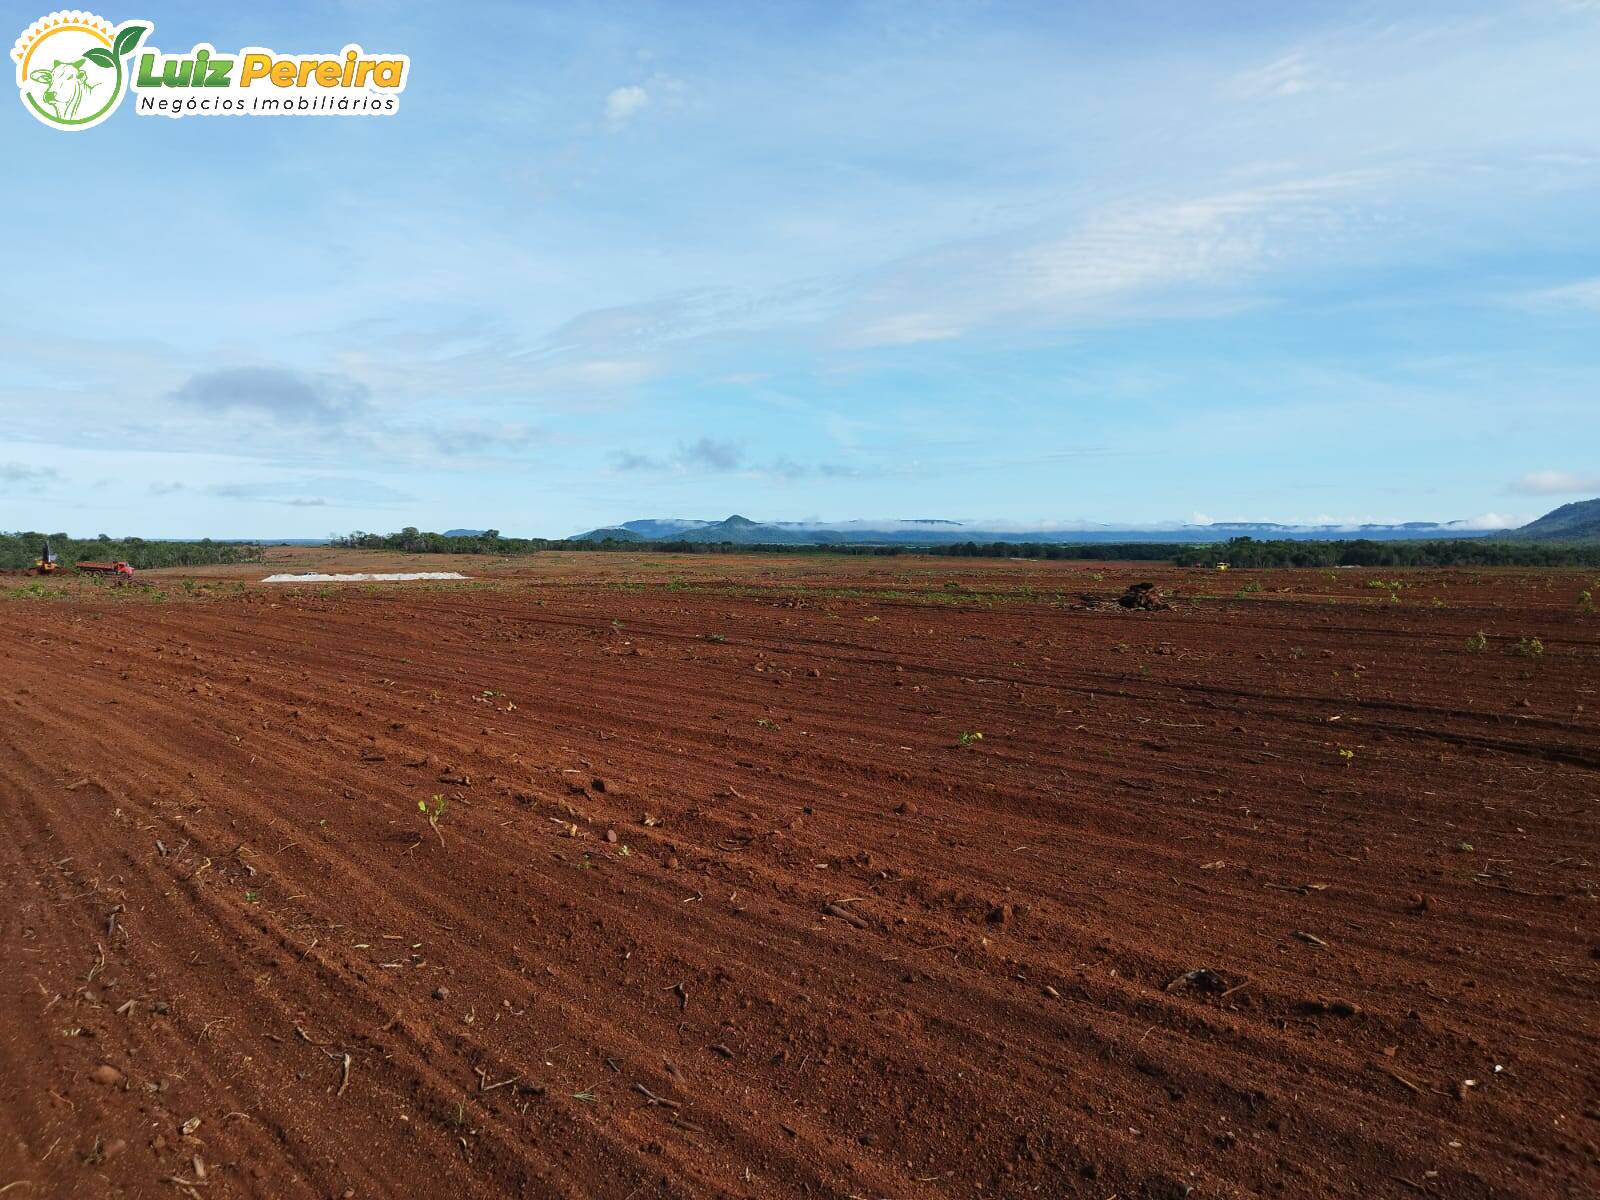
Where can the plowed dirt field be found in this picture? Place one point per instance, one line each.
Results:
(1287, 891)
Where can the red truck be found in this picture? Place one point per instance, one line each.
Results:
(119, 571)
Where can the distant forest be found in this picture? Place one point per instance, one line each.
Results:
(22, 550)
(414, 541)
(1240, 552)
(1474, 552)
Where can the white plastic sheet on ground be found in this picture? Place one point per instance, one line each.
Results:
(363, 577)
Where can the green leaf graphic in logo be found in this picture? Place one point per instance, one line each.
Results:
(128, 39)
(100, 56)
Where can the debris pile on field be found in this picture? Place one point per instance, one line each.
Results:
(1143, 595)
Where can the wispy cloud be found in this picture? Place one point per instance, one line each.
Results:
(1585, 293)
(703, 454)
(454, 440)
(312, 492)
(632, 332)
(623, 103)
(1289, 75)
(1182, 256)
(1556, 483)
(709, 456)
(910, 328)
(787, 468)
(24, 475)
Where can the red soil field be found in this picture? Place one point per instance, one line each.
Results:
(1287, 891)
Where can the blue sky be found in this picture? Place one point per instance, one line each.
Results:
(1041, 264)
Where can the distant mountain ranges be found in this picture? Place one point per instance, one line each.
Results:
(1578, 522)
(1570, 522)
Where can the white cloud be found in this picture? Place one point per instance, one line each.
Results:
(1207, 239)
(624, 103)
(1286, 76)
(1183, 256)
(1556, 483)
(311, 492)
(905, 329)
(1493, 520)
(1583, 294)
(601, 373)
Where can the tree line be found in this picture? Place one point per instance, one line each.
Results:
(1239, 552)
(1363, 552)
(22, 549)
(414, 541)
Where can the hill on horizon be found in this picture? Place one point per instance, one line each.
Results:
(1575, 522)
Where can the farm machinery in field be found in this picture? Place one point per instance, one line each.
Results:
(48, 563)
(116, 572)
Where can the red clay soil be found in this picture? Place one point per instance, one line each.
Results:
(1284, 893)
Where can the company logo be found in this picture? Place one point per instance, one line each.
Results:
(73, 68)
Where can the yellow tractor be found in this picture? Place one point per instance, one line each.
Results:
(46, 563)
